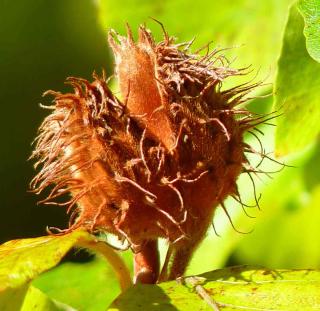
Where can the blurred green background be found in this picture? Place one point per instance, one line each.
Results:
(43, 42)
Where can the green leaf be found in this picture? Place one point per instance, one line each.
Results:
(23, 260)
(12, 298)
(37, 301)
(297, 89)
(86, 286)
(243, 288)
(310, 10)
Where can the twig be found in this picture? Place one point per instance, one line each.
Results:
(119, 267)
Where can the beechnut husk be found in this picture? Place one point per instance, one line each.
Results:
(155, 163)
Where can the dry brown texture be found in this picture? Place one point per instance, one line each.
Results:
(157, 163)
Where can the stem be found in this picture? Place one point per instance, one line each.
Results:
(146, 263)
(117, 263)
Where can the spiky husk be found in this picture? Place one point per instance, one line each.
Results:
(157, 163)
